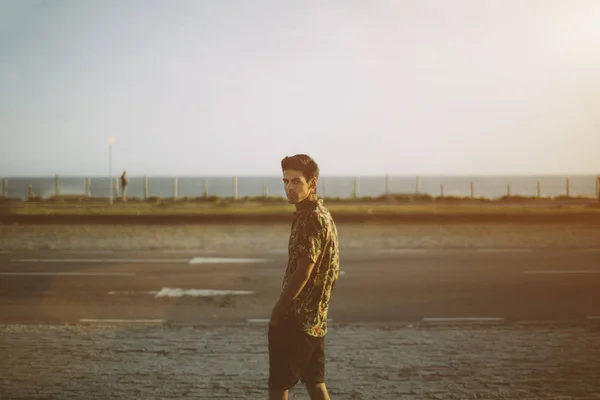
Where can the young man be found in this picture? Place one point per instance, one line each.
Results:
(124, 182)
(298, 323)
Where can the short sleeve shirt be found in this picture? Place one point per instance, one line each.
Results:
(314, 236)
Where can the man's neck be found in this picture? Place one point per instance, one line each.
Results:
(311, 197)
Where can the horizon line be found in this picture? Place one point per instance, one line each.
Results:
(381, 175)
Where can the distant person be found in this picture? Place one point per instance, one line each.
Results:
(30, 193)
(124, 182)
(298, 323)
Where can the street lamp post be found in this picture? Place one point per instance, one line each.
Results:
(111, 141)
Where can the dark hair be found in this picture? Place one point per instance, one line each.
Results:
(302, 163)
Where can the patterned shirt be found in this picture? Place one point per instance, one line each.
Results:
(314, 236)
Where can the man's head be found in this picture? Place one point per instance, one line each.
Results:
(300, 176)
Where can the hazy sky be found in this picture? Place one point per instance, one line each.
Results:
(365, 87)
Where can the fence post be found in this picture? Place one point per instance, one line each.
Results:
(235, 188)
(5, 188)
(508, 189)
(56, 186)
(145, 194)
(355, 193)
(568, 188)
(265, 191)
(175, 191)
(116, 186)
(88, 187)
(472, 190)
(539, 190)
(324, 188)
(206, 188)
(442, 190)
(417, 186)
(387, 184)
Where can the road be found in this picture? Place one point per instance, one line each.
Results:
(408, 286)
(118, 347)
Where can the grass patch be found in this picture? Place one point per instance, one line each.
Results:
(265, 209)
(385, 204)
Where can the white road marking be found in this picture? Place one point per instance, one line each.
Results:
(258, 321)
(67, 273)
(86, 252)
(342, 273)
(266, 321)
(168, 292)
(117, 292)
(402, 251)
(561, 272)
(104, 260)
(491, 251)
(124, 321)
(463, 319)
(187, 251)
(453, 251)
(225, 260)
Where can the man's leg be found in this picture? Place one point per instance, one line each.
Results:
(285, 359)
(317, 391)
(276, 394)
(314, 375)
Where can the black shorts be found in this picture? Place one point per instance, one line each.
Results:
(294, 355)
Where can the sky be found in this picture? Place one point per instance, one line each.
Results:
(221, 88)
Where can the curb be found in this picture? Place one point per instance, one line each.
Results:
(589, 218)
(591, 322)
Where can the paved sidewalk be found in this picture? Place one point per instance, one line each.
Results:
(145, 362)
(270, 237)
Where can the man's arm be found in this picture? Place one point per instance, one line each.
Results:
(295, 285)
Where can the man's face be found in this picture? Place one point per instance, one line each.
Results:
(296, 186)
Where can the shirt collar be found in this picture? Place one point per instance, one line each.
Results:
(308, 204)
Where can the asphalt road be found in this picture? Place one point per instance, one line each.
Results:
(374, 287)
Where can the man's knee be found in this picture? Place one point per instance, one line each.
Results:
(278, 394)
(317, 391)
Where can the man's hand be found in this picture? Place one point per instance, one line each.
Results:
(293, 288)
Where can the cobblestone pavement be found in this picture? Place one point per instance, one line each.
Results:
(103, 362)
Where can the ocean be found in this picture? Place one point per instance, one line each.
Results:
(328, 186)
